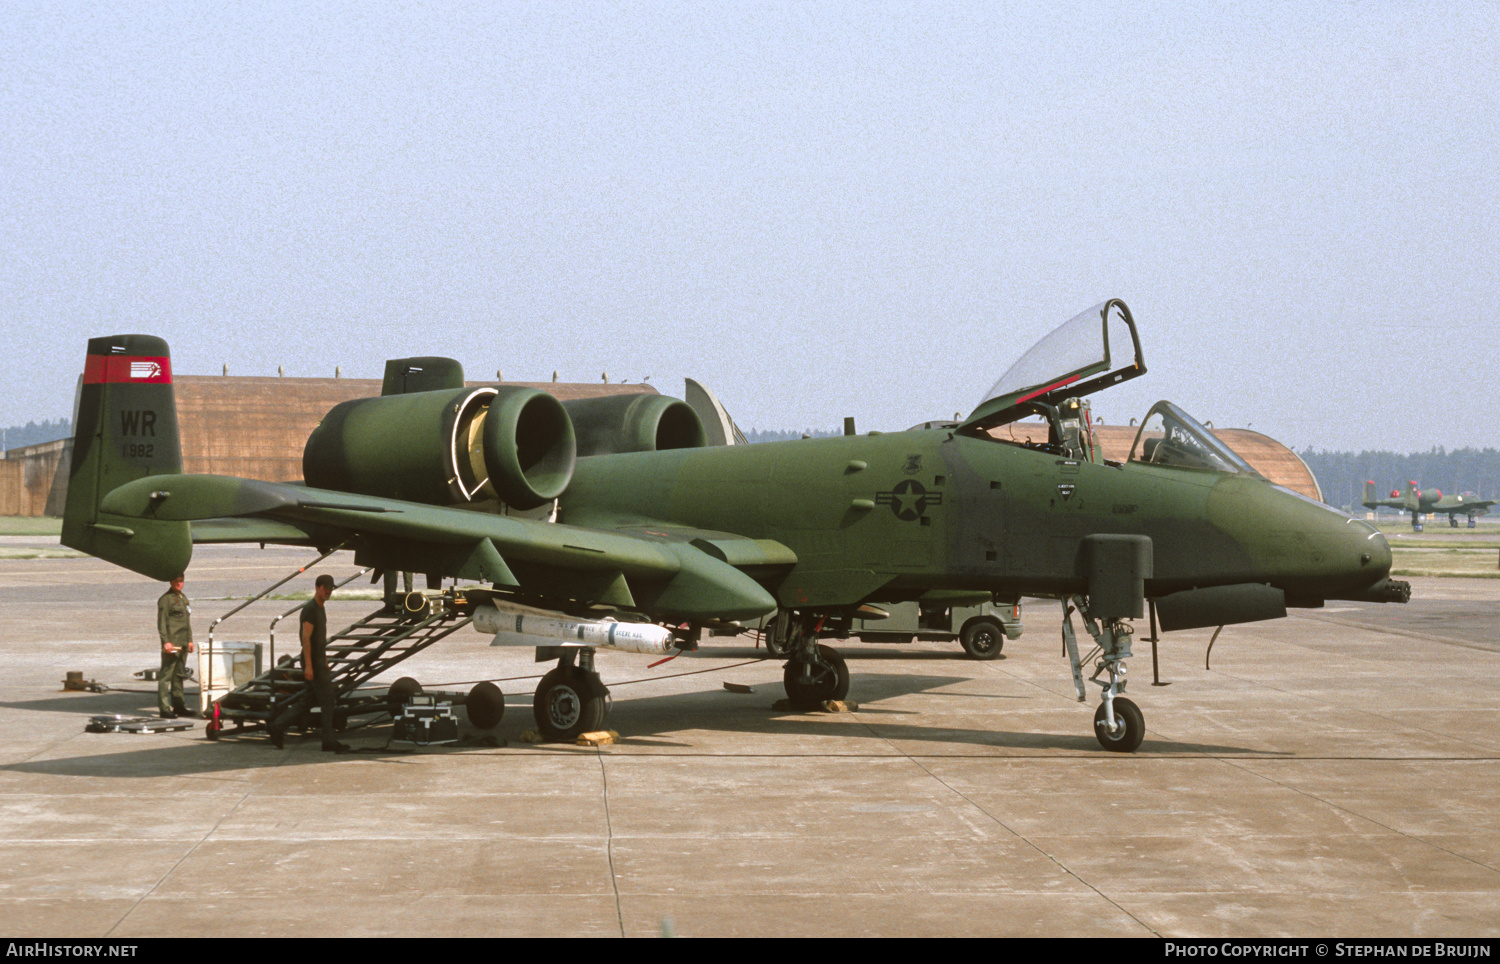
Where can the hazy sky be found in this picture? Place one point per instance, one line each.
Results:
(818, 209)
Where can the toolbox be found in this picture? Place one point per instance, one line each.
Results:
(423, 721)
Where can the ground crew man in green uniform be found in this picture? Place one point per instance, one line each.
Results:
(176, 632)
(315, 661)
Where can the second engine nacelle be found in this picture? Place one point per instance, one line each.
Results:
(634, 423)
(445, 447)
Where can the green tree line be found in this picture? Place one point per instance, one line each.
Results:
(15, 436)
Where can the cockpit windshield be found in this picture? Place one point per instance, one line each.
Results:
(1170, 436)
(1094, 350)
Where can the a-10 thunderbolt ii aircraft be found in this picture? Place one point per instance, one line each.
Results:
(656, 537)
(1420, 502)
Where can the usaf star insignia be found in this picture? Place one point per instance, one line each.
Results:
(909, 499)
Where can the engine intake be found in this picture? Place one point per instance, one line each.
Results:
(634, 423)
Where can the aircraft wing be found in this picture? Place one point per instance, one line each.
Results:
(762, 556)
(657, 573)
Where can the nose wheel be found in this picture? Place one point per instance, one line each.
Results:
(1129, 726)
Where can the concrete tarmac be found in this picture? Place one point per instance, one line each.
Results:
(1335, 773)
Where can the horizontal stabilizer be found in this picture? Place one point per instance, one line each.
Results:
(190, 498)
(221, 531)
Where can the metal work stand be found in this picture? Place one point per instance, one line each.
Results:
(281, 698)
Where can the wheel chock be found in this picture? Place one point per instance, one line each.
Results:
(827, 706)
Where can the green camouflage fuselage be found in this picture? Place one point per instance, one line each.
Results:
(888, 517)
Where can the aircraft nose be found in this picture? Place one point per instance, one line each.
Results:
(1375, 557)
(1344, 554)
(1370, 544)
(1310, 550)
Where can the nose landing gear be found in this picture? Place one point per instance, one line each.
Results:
(1119, 724)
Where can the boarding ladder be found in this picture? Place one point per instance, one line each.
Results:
(282, 697)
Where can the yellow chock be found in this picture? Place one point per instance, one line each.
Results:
(598, 738)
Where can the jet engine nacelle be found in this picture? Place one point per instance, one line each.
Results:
(445, 447)
(634, 423)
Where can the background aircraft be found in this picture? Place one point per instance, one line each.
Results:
(616, 507)
(1420, 502)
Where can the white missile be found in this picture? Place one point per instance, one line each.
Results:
(520, 629)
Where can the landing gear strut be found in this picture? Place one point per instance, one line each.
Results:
(571, 699)
(1119, 724)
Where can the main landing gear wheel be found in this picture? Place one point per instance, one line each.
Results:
(982, 639)
(485, 705)
(808, 685)
(1130, 727)
(565, 704)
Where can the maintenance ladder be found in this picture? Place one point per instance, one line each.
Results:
(282, 697)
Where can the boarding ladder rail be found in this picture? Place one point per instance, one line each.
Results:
(274, 586)
(208, 682)
(271, 656)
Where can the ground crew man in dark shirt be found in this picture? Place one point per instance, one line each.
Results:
(176, 631)
(315, 659)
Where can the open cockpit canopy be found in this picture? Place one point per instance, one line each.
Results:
(1095, 350)
(1171, 437)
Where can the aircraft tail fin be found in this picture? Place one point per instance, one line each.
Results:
(125, 428)
(1371, 496)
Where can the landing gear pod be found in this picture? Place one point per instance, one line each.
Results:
(446, 447)
(634, 423)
